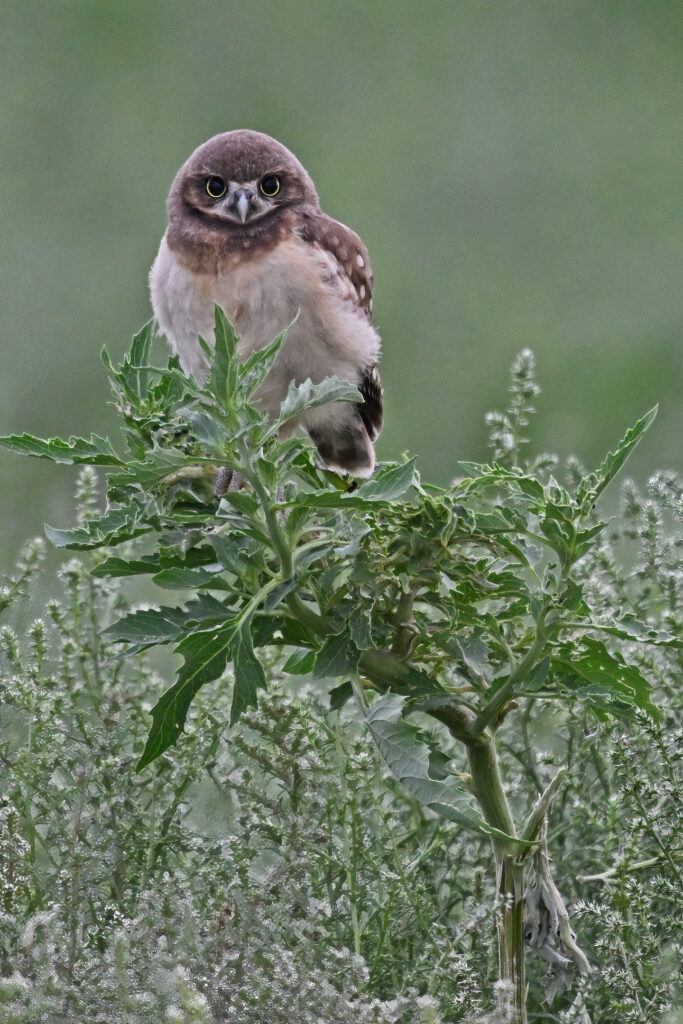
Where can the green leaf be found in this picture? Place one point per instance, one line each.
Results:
(118, 567)
(249, 674)
(256, 368)
(279, 593)
(340, 695)
(471, 650)
(611, 682)
(181, 578)
(138, 357)
(149, 626)
(76, 451)
(408, 758)
(114, 527)
(628, 627)
(595, 483)
(158, 467)
(557, 524)
(223, 375)
(300, 663)
(360, 628)
(538, 675)
(389, 484)
(229, 553)
(168, 557)
(206, 428)
(337, 657)
(301, 397)
(205, 655)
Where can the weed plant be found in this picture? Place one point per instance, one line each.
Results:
(276, 863)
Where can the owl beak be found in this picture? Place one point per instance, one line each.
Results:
(242, 204)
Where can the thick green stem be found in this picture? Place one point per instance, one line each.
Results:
(510, 926)
(488, 789)
(386, 670)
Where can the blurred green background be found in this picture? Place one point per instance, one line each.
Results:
(514, 168)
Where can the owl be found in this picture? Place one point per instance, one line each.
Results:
(246, 231)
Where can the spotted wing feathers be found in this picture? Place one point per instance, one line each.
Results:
(349, 264)
(347, 270)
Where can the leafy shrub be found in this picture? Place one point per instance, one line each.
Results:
(328, 888)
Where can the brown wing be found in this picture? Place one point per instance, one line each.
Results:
(350, 270)
(350, 274)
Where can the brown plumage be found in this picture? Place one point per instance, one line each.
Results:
(245, 229)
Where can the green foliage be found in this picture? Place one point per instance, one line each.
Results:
(260, 874)
(451, 613)
(392, 582)
(128, 898)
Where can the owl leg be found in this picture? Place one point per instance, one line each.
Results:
(227, 480)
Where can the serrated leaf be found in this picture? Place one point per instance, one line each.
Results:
(594, 665)
(538, 675)
(360, 628)
(205, 428)
(229, 554)
(249, 674)
(307, 395)
(630, 628)
(259, 364)
(389, 484)
(471, 650)
(114, 527)
(205, 654)
(337, 657)
(149, 626)
(138, 358)
(182, 578)
(408, 758)
(76, 451)
(146, 625)
(279, 593)
(595, 483)
(119, 567)
(167, 558)
(223, 375)
(158, 466)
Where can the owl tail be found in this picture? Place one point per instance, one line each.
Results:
(341, 437)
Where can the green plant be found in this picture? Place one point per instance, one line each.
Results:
(239, 881)
(448, 608)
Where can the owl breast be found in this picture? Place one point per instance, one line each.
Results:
(262, 296)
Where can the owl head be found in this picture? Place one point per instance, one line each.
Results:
(237, 181)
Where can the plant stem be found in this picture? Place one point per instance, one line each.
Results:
(387, 671)
(488, 789)
(507, 690)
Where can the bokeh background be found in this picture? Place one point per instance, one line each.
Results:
(514, 168)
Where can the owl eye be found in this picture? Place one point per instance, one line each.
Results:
(270, 186)
(215, 187)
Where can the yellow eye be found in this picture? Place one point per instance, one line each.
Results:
(216, 187)
(270, 186)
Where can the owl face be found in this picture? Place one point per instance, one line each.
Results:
(238, 180)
